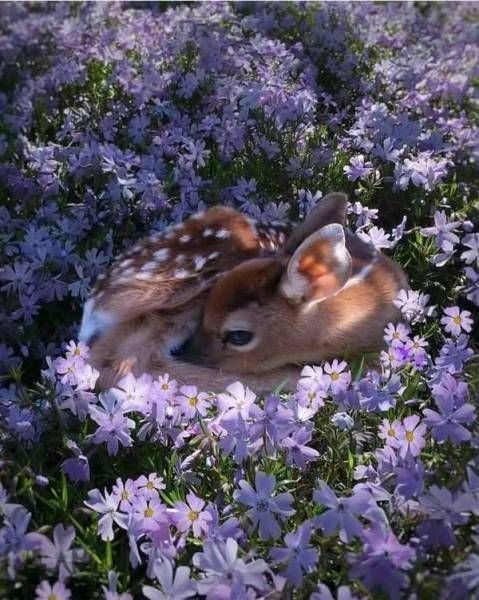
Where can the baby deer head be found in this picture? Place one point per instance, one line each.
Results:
(327, 294)
(151, 300)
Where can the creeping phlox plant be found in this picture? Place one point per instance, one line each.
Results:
(117, 120)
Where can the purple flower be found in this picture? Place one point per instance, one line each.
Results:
(57, 555)
(447, 424)
(411, 436)
(454, 354)
(377, 237)
(456, 320)
(450, 508)
(225, 575)
(107, 506)
(467, 572)
(449, 387)
(342, 421)
(237, 438)
(443, 230)
(77, 469)
(150, 514)
(389, 432)
(413, 305)
(358, 168)
(298, 453)
(297, 553)
(190, 515)
(471, 256)
(150, 486)
(192, 402)
(110, 592)
(174, 585)
(265, 508)
(336, 377)
(382, 563)
(114, 426)
(410, 479)
(237, 400)
(342, 514)
(126, 493)
(57, 591)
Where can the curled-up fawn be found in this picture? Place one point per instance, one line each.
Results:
(228, 299)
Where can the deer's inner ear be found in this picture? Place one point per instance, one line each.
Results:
(319, 268)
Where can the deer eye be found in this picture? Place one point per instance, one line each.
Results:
(237, 337)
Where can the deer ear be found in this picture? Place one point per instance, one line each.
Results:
(319, 268)
(330, 209)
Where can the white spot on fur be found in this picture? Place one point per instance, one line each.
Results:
(184, 239)
(161, 254)
(222, 234)
(213, 255)
(144, 276)
(126, 263)
(208, 232)
(180, 258)
(149, 266)
(181, 274)
(199, 262)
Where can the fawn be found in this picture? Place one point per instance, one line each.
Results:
(227, 298)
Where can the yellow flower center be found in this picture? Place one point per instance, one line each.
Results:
(165, 387)
(193, 515)
(457, 320)
(52, 596)
(124, 495)
(193, 401)
(150, 486)
(410, 436)
(334, 376)
(391, 432)
(148, 512)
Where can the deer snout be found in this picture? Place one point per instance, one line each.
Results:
(196, 350)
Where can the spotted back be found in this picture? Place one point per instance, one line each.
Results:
(167, 270)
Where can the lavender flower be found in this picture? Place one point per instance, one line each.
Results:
(411, 436)
(455, 321)
(57, 591)
(448, 423)
(300, 557)
(225, 575)
(342, 514)
(174, 586)
(191, 515)
(265, 508)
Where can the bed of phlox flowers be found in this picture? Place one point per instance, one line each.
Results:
(119, 119)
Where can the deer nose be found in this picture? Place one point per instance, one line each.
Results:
(189, 351)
